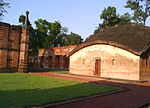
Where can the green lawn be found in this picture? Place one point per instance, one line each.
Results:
(60, 72)
(20, 90)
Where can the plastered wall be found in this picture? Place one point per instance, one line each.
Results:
(115, 62)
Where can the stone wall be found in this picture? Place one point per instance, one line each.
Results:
(13, 48)
(109, 61)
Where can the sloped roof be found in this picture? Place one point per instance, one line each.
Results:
(131, 37)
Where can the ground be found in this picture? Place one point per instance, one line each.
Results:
(136, 94)
(20, 90)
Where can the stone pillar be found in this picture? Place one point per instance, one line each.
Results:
(23, 58)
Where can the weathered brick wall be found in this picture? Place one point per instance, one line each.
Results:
(53, 58)
(13, 48)
(114, 62)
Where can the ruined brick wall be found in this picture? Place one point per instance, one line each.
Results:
(112, 62)
(53, 58)
(13, 48)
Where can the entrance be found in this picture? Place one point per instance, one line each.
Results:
(97, 66)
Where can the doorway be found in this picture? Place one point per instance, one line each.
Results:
(97, 66)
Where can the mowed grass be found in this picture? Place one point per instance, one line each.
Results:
(20, 90)
(60, 72)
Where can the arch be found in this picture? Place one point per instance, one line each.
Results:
(65, 62)
(57, 61)
(41, 62)
(115, 44)
(50, 61)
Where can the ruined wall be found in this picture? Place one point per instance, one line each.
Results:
(13, 48)
(114, 62)
(53, 58)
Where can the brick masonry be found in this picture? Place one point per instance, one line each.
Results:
(52, 58)
(13, 48)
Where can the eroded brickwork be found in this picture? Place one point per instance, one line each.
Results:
(53, 58)
(13, 48)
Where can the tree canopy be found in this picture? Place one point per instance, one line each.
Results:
(110, 18)
(141, 10)
(48, 34)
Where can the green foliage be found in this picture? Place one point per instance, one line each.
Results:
(22, 90)
(2, 8)
(72, 39)
(48, 34)
(110, 18)
(141, 10)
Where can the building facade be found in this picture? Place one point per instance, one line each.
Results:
(120, 52)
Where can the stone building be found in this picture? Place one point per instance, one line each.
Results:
(120, 52)
(13, 48)
(53, 58)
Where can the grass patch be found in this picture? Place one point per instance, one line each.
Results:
(20, 90)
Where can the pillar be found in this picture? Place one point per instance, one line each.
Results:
(23, 58)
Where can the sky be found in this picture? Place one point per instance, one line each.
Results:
(79, 16)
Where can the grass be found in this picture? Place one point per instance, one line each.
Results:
(20, 90)
(60, 72)
(48, 70)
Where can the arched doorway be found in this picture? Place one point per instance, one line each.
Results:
(42, 61)
(66, 62)
(57, 62)
(50, 61)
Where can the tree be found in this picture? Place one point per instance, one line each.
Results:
(141, 10)
(110, 18)
(2, 8)
(48, 33)
(72, 39)
(33, 47)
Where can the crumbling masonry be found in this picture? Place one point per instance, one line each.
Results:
(13, 48)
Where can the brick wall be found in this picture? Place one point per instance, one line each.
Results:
(52, 58)
(13, 48)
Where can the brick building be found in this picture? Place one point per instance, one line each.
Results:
(13, 48)
(121, 52)
(53, 58)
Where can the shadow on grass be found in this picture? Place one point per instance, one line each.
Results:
(35, 97)
(47, 70)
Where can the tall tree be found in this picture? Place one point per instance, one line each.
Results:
(2, 8)
(48, 33)
(141, 10)
(110, 18)
(72, 39)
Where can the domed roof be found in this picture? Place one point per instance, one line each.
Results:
(132, 37)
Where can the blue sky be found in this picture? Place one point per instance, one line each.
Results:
(80, 16)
